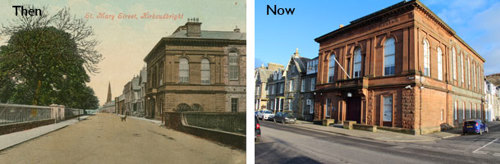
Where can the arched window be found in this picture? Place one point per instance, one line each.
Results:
(454, 63)
(389, 57)
(205, 71)
(233, 66)
(427, 61)
(440, 63)
(357, 62)
(183, 70)
(331, 68)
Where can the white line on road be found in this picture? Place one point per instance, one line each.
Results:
(485, 145)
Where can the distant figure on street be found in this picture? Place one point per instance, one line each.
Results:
(124, 117)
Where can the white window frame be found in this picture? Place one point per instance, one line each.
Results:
(205, 71)
(389, 53)
(183, 70)
(440, 63)
(357, 63)
(331, 68)
(462, 67)
(468, 71)
(455, 110)
(290, 87)
(427, 60)
(289, 104)
(388, 106)
(233, 66)
(454, 63)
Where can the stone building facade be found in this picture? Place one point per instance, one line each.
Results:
(275, 92)
(307, 88)
(261, 88)
(294, 72)
(492, 105)
(195, 69)
(400, 67)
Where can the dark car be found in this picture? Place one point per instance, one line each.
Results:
(285, 117)
(257, 130)
(475, 126)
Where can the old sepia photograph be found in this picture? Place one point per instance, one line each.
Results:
(86, 81)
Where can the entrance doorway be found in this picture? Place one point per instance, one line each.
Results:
(353, 111)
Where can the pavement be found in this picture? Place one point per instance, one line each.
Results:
(296, 144)
(383, 135)
(13, 139)
(104, 138)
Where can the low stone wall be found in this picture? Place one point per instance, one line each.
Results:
(10, 128)
(178, 121)
(228, 122)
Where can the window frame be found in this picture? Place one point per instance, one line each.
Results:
(427, 60)
(387, 56)
(331, 68)
(182, 78)
(205, 71)
(357, 67)
(233, 65)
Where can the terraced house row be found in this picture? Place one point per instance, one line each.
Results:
(401, 67)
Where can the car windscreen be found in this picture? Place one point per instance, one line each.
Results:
(470, 123)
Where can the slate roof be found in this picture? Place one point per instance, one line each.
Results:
(230, 35)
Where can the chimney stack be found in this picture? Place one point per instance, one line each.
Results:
(237, 30)
(193, 27)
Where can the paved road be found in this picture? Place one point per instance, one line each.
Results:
(288, 144)
(105, 139)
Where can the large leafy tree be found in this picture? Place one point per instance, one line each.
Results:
(46, 61)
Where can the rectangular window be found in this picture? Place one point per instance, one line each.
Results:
(475, 111)
(468, 72)
(462, 68)
(233, 66)
(470, 111)
(440, 64)
(454, 63)
(311, 106)
(313, 84)
(463, 109)
(303, 85)
(282, 87)
(442, 114)
(389, 57)
(455, 110)
(291, 89)
(331, 68)
(388, 108)
(290, 105)
(234, 104)
(327, 107)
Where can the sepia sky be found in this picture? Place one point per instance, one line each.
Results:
(125, 42)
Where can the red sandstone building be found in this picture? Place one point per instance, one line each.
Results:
(406, 69)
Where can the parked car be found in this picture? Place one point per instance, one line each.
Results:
(257, 130)
(285, 117)
(265, 115)
(474, 126)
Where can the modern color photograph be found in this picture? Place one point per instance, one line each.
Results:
(377, 81)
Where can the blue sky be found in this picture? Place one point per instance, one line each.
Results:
(477, 22)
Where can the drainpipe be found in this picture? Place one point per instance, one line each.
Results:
(420, 118)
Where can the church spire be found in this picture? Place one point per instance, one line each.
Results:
(109, 93)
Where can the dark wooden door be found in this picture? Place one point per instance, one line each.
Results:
(353, 111)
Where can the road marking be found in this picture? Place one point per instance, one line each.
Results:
(475, 151)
